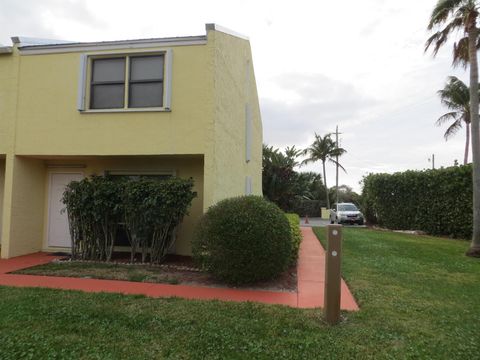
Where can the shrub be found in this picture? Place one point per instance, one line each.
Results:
(294, 221)
(305, 207)
(243, 240)
(150, 210)
(438, 202)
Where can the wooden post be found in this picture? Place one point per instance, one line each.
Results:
(333, 277)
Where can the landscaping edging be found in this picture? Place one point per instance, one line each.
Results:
(310, 275)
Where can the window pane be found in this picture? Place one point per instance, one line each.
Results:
(107, 96)
(146, 95)
(146, 68)
(109, 70)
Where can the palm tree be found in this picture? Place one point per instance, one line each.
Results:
(324, 149)
(278, 175)
(451, 16)
(456, 97)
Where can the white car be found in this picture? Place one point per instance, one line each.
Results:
(346, 213)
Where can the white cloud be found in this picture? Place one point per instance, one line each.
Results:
(358, 64)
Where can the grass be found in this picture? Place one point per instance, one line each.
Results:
(419, 298)
(138, 273)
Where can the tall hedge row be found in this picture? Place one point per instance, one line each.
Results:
(438, 202)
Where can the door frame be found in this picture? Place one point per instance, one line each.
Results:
(50, 174)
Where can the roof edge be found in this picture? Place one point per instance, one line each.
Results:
(215, 27)
(6, 49)
(31, 41)
(28, 45)
(70, 45)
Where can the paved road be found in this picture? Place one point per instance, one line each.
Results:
(314, 222)
(320, 222)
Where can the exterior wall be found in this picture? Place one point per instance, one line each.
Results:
(48, 122)
(203, 136)
(27, 195)
(181, 166)
(8, 96)
(235, 96)
(2, 185)
(23, 206)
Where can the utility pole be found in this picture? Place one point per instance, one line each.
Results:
(433, 161)
(336, 188)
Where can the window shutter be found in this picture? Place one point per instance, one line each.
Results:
(82, 72)
(168, 79)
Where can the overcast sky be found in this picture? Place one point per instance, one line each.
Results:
(356, 64)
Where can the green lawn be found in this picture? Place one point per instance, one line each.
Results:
(139, 273)
(419, 298)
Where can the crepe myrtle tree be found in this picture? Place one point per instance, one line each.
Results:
(450, 17)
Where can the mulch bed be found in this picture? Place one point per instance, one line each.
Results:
(175, 270)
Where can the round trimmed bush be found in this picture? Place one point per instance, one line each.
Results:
(243, 240)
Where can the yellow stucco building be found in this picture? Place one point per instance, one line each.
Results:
(184, 106)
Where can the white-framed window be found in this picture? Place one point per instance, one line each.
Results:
(125, 82)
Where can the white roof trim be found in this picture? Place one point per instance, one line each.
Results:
(30, 41)
(112, 45)
(6, 49)
(225, 30)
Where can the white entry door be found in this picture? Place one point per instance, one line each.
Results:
(58, 231)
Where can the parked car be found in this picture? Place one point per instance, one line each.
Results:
(346, 213)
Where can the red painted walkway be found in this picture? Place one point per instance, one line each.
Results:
(310, 273)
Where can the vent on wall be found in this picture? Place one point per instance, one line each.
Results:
(248, 133)
(248, 185)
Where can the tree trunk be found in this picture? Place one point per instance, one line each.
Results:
(472, 53)
(326, 187)
(467, 143)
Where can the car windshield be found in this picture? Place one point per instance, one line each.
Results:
(347, 207)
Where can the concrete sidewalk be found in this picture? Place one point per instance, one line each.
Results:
(310, 277)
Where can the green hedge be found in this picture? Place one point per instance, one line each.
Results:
(294, 221)
(304, 207)
(438, 202)
(149, 209)
(243, 240)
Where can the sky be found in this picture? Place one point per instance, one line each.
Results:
(318, 64)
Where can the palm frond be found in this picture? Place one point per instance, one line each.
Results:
(448, 117)
(337, 163)
(454, 15)
(439, 38)
(452, 129)
(468, 12)
(442, 11)
(455, 95)
(460, 52)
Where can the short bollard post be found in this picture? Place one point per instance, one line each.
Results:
(333, 274)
